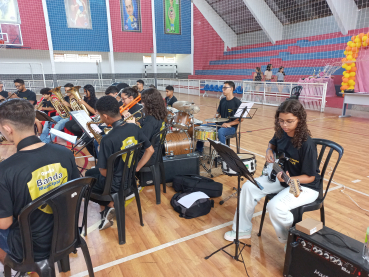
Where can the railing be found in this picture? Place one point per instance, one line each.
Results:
(187, 86)
(34, 85)
(214, 87)
(313, 95)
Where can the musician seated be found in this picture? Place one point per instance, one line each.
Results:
(170, 99)
(292, 136)
(60, 122)
(227, 108)
(155, 113)
(45, 104)
(89, 102)
(122, 136)
(113, 91)
(23, 92)
(35, 169)
(3, 93)
(140, 85)
(128, 95)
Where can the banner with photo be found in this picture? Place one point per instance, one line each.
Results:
(78, 14)
(9, 12)
(172, 17)
(131, 15)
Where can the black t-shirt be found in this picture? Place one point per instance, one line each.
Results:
(66, 98)
(29, 95)
(134, 109)
(4, 93)
(151, 126)
(25, 176)
(227, 108)
(170, 101)
(301, 161)
(120, 138)
(91, 102)
(46, 104)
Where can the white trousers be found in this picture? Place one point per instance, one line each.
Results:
(279, 207)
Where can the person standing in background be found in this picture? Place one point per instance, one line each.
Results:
(280, 78)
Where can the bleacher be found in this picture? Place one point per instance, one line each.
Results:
(299, 57)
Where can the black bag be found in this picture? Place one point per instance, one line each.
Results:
(193, 183)
(199, 208)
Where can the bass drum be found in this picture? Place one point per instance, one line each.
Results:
(177, 143)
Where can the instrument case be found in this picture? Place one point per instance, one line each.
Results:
(193, 183)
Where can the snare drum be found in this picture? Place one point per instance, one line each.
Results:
(204, 132)
(196, 123)
(182, 120)
(248, 160)
(177, 143)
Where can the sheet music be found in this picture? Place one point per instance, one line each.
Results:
(82, 118)
(188, 200)
(242, 107)
(65, 136)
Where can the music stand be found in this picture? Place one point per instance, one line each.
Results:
(42, 116)
(235, 163)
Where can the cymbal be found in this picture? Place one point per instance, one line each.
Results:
(215, 120)
(186, 106)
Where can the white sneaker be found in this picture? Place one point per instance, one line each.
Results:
(231, 235)
(91, 159)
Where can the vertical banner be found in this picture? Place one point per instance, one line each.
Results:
(9, 12)
(78, 14)
(131, 15)
(172, 17)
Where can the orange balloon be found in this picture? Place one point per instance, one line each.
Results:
(367, 41)
(353, 38)
(361, 35)
(344, 60)
(349, 48)
(355, 55)
(350, 78)
(344, 87)
(354, 49)
(353, 69)
(345, 80)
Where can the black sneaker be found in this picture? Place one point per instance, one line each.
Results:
(107, 216)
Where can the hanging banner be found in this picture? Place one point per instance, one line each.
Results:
(131, 15)
(9, 12)
(78, 14)
(172, 17)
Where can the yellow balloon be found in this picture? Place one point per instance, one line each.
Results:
(344, 84)
(348, 68)
(344, 72)
(358, 44)
(365, 44)
(347, 75)
(354, 60)
(352, 74)
(345, 52)
(352, 44)
(364, 38)
(351, 82)
(351, 87)
(357, 39)
(349, 52)
(349, 57)
(352, 65)
(349, 43)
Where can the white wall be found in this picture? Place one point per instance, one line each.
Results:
(184, 63)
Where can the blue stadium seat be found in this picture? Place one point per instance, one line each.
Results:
(239, 90)
(216, 88)
(220, 88)
(206, 87)
(211, 88)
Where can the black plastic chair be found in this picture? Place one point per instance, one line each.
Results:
(228, 140)
(158, 162)
(119, 197)
(318, 204)
(295, 92)
(65, 202)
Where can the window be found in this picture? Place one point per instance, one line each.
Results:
(159, 59)
(77, 58)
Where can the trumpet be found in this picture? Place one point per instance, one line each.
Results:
(97, 136)
(130, 105)
(132, 116)
(57, 103)
(74, 101)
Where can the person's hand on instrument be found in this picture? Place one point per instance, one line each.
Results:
(269, 156)
(279, 176)
(81, 101)
(226, 125)
(126, 114)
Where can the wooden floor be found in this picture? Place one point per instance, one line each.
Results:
(171, 246)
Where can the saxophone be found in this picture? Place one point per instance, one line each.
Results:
(56, 101)
(97, 136)
(74, 101)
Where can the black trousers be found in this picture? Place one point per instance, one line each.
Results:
(73, 127)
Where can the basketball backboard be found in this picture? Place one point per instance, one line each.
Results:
(10, 34)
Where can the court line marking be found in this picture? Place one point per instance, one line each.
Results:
(158, 248)
(356, 181)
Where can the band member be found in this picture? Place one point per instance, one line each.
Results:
(46, 105)
(155, 113)
(3, 93)
(128, 95)
(89, 102)
(114, 92)
(292, 136)
(227, 108)
(140, 84)
(170, 99)
(35, 169)
(60, 121)
(122, 136)
(24, 93)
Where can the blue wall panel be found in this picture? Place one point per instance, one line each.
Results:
(71, 39)
(173, 44)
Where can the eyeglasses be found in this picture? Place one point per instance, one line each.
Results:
(287, 122)
(124, 99)
(225, 88)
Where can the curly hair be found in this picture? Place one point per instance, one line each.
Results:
(154, 104)
(302, 132)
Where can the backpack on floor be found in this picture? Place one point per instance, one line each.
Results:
(193, 183)
(198, 208)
